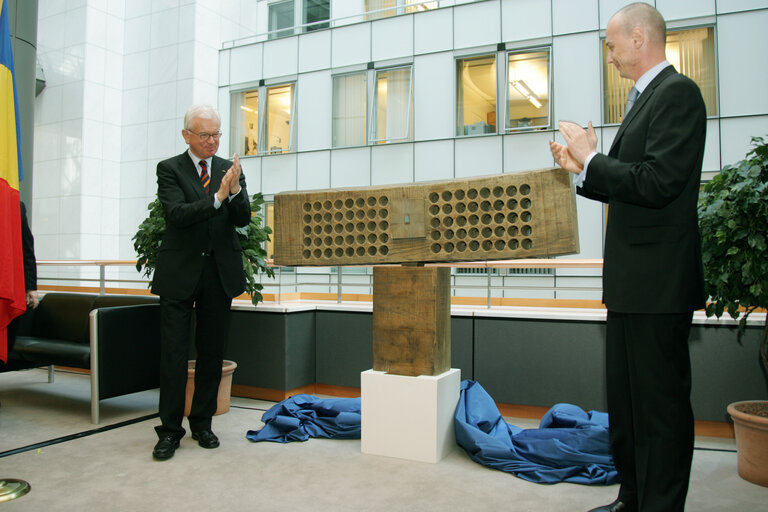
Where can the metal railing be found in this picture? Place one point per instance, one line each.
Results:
(299, 280)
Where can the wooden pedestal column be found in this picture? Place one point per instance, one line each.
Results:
(411, 320)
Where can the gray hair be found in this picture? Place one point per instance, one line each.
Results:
(640, 14)
(199, 111)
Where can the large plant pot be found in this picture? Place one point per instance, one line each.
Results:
(225, 387)
(751, 442)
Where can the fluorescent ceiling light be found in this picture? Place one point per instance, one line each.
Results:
(526, 91)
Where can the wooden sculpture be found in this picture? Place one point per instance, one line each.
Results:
(521, 215)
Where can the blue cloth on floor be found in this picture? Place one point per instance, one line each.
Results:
(303, 416)
(570, 445)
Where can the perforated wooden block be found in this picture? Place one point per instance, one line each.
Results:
(522, 215)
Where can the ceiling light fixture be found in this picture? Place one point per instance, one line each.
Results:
(526, 91)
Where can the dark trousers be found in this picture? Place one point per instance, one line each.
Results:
(212, 311)
(651, 420)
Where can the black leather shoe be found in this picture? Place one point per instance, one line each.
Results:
(165, 447)
(616, 506)
(206, 438)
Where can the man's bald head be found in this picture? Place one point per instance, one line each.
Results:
(643, 16)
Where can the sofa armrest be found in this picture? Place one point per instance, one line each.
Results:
(125, 349)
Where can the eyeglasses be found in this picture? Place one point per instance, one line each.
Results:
(205, 136)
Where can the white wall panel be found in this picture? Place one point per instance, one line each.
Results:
(736, 136)
(348, 10)
(245, 64)
(281, 57)
(137, 35)
(351, 45)
(314, 170)
(391, 163)
(740, 5)
(591, 223)
(605, 137)
(576, 78)
(433, 103)
(476, 24)
(609, 7)
(45, 219)
(712, 147)
(164, 28)
(433, 31)
(313, 111)
(351, 167)
(136, 70)
(525, 19)
(743, 52)
(162, 101)
(278, 173)
(314, 51)
(570, 16)
(527, 151)
(133, 179)
(161, 136)
(224, 56)
(433, 160)
(392, 38)
(676, 10)
(478, 156)
(46, 179)
(252, 172)
(163, 64)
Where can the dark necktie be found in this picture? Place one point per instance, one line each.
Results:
(633, 94)
(204, 177)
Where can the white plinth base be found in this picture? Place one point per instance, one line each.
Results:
(409, 417)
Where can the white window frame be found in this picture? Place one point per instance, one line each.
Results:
(507, 121)
(373, 135)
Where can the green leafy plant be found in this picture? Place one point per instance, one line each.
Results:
(146, 243)
(733, 221)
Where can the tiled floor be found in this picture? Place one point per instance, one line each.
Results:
(97, 469)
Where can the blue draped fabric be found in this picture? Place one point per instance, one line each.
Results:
(570, 445)
(303, 416)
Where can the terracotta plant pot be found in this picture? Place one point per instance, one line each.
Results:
(751, 441)
(225, 387)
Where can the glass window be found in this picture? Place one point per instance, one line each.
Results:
(528, 100)
(386, 8)
(245, 123)
(279, 117)
(392, 112)
(691, 51)
(315, 13)
(383, 8)
(476, 95)
(349, 108)
(281, 19)
(419, 5)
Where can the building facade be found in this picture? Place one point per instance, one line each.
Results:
(336, 93)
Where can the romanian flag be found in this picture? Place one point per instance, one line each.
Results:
(12, 294)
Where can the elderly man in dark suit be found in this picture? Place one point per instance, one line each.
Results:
(652, 275)
(199, 267)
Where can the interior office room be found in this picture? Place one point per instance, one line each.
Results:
(336, 95)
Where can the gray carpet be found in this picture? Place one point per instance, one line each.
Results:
(114, 470)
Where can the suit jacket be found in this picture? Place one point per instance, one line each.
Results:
(193, 227)
(28, 252)
(650, 180)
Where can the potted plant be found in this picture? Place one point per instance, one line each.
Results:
(147, 241)
(733, 215)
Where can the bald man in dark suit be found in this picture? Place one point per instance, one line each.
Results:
(652, 274)
(200, 269)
